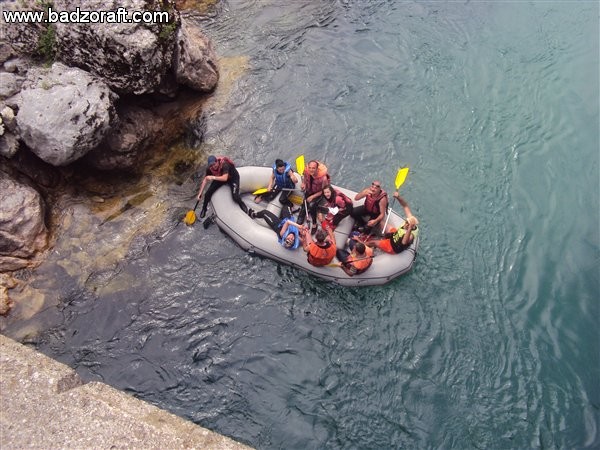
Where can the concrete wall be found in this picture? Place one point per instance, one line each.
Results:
(45, 404)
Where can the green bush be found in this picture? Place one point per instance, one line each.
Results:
(47, 43)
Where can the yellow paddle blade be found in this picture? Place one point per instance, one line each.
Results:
(300, 164)
(260, 191)
(190, 217)
(295, 199)
(401, 177)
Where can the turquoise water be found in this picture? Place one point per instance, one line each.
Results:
(491, 341)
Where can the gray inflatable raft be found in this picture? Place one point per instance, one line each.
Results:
(254, 235)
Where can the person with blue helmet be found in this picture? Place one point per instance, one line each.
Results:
(288, 231)
(283, 177)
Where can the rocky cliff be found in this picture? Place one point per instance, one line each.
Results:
(73, 92)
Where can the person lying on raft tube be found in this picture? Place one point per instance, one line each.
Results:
(288, 231)
(220, 171)
(335, 206)
(283, 177)
(398, 240)
(315, 178)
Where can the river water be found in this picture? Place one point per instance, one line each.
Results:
(491, 341)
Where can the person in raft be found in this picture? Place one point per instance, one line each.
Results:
(398, 240)
(336, 205)
(220, 171)
(314, 180)
(288, 231)
(358, 260)
(321, 251)
(374, 208)
(283, 177)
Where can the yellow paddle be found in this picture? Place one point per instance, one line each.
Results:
(260, 191)
(265, 190)
(300, 164)
(400, 178)
(300, 170)
(295, 199)
(190, 216)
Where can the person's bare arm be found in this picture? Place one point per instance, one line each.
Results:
(362, 194)
(271, 182)
(293, 176)
(408, 237)
(404, 204)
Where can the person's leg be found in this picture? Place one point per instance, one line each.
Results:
(342, 255)
(271, 219)
(340, 216)
(234, 183)
(302, 213)
(358, 213)
(284, 199)
(383, 244)
(285, 212)
(214, 185)
(268, 196)
(313, 208)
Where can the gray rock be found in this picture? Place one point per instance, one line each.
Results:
(23, 37)
(6, 52)
(130, 57)
(64, 113)
(22, 228)
(125, 143)
(10, 84)
(18, 65)
(9, 145)
(8, 118)
(195, 58)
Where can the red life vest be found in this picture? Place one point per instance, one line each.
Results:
(320, 256)
(341, 201)
(372, 203)
(218, 170)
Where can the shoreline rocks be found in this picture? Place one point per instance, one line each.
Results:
(88, 105)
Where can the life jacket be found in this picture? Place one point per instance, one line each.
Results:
(290, 229)
(315, 184)
(341, 201)
(320, 256)
(372, 203)
(218, 171)
(397, 238)
(362, 262)
(283, 180)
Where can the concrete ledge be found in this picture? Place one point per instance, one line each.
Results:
(44, 404)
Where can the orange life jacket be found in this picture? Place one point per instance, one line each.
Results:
(320, 256)
(362, 262)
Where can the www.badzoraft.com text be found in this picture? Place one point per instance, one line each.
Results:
(120, 15)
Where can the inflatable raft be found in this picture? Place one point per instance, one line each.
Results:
(255, 236)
